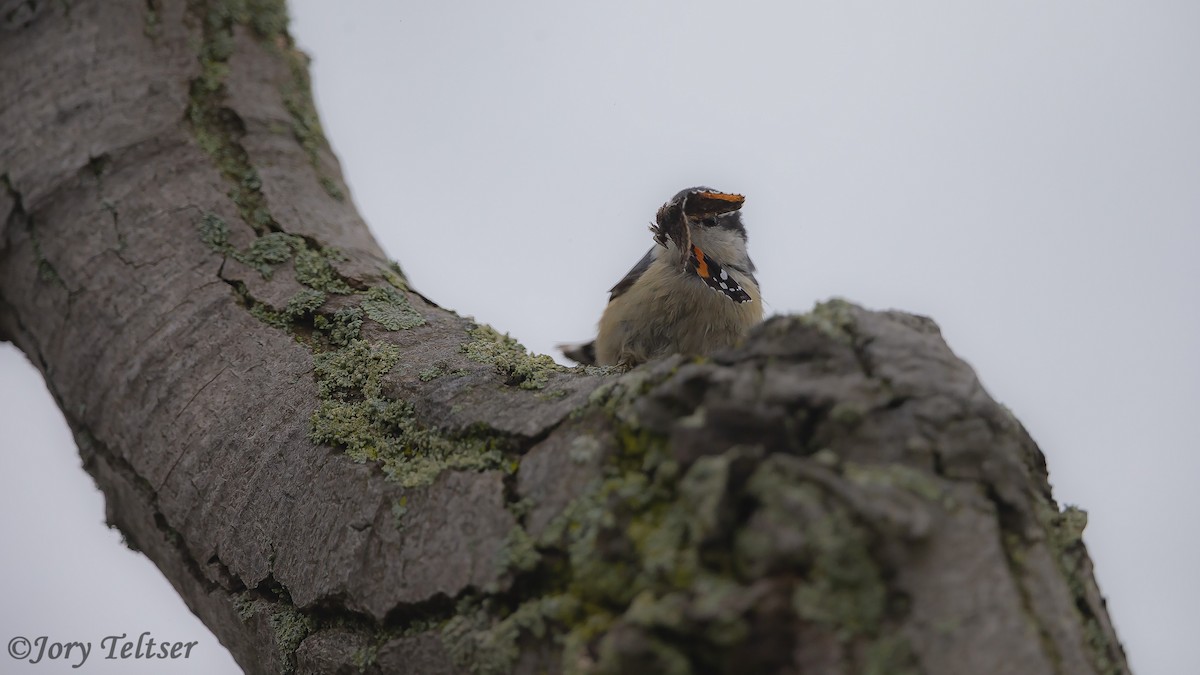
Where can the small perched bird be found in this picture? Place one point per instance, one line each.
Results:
(693, 292)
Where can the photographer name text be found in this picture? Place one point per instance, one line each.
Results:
(121, 646)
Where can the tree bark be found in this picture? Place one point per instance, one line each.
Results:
(337, 475)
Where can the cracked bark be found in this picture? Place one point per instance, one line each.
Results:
(838, 495)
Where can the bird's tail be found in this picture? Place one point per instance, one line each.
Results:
(584, 354)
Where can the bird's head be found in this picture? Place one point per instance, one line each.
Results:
(698, 207)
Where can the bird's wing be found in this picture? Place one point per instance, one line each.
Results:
(638, 270)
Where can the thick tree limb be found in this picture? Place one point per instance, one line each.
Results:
(339, 476)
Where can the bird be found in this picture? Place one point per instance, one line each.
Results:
(693, 292)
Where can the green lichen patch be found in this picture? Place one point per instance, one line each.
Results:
(295, 318)
(364, 657)
(654, 546)
(288, 625)
(267, 18)
(577, 529)
(639, 565)
(270, 317)
(615, 395)
(485, 644)
(891, 655)
(268, 251)
(834, 318)
(512, 360)
(355, 415)
(907, 478)
(711, 612)
(845, 588)
(356, 372)
(391, 309)
(584, 450)
(800, 527)
(304, 303)
(796, 526)
(1068, 528)
(314, 269)
(217, 129)
(290, 628)
(389, 433)
(395, 276)
(306, 125)
(245, 607)
(649, 610)
(589, 627)
(1065, 538)
(517, 552)
(660, 536)
(440, 369)
(847, 415)
(214, 232)
(342, 327)
(433, 372)
(654, 656)
(331, 188)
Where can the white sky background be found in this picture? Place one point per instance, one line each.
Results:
(1026, 173)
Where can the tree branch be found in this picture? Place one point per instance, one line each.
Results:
(340, 476)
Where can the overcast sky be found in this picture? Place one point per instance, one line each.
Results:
(1026, 173)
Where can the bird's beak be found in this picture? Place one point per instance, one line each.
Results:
(706, 204)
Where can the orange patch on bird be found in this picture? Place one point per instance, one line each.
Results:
(701, 263)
